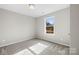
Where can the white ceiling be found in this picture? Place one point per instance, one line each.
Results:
(40, 9)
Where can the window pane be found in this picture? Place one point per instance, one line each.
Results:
(50, 25)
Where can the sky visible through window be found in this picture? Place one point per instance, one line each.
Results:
(50, 20)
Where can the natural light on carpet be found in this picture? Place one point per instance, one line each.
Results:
(24, 52)
(38, 48)
(34, 49)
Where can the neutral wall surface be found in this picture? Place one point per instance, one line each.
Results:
(62, 27)
(74, 28)
(15, 27)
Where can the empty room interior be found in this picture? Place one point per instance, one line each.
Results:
(38, 29)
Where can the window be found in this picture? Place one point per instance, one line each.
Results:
(50, 25)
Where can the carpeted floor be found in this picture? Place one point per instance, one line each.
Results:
(35, 47)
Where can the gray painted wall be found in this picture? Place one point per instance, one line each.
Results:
(62, 27)
(15, 27)
(74, 28)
